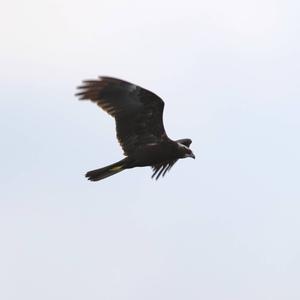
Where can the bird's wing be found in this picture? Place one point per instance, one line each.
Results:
(162, 169)
(137, 111)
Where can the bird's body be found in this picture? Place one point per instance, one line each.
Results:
(139, 125)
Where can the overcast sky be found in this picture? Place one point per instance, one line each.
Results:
(222, 227)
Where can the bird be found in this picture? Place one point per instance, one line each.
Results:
(138, 115)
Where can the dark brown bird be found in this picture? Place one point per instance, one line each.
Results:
(139, 124)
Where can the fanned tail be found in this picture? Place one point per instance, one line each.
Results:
(99, 174)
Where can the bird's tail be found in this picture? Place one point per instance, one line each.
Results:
(110, 170)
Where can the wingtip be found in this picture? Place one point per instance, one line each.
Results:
(81, 96)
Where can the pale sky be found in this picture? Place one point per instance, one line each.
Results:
(222, 227)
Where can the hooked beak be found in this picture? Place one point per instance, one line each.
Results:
(190, 155)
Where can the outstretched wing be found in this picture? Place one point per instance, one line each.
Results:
(137, 111)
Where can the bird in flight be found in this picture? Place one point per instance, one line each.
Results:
(139, 124)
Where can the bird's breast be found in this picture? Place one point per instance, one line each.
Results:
(154, 154)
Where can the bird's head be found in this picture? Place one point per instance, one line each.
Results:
(185, 151)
